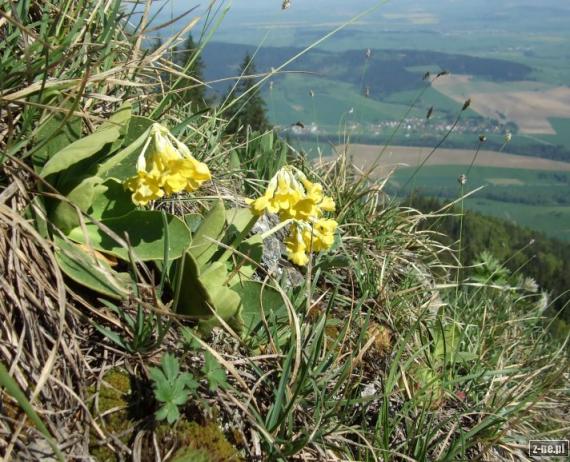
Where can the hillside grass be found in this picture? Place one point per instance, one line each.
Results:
(376, 350)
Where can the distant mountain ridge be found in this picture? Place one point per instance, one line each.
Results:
(388, 70)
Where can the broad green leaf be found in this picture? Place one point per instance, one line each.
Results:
(235, 163)
(327, 262)
(138, 126)
(198, 294)
(191, 297)
(145, 235)
(122, 165)
(80, 150)
(119, 119)
(244, 269)
(89, 271)
(112, 200)
(193, 221)
(210, 229)
(465, 356)
(54, 135)
(225, 301)
(238, 219)
(446, 342)
(256, 299)
(65, 215)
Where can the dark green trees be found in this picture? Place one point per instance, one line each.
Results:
(191, 91)
(247, 109)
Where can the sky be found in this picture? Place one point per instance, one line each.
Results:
(340, 10)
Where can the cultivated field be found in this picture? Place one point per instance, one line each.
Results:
(409, 156)
(528, 104)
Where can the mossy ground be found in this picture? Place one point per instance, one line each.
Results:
(111, 410)
(198, 442)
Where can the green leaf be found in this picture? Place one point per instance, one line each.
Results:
(122, 165)
(146, 235)
(235, 163)
(111, 200)
(238, 220)
(60, 133)
(65, 215)
(225, 301)
(190, 339)
(170, 366)
(119, 119)
(89, 271)
(156, 375)
(328, 262)
(114, 337)
(192, 298)
(80, 150)
(200, 293)
(215, 373)
(212, 226)
(465, 356)
(446, 341)
(138, 126)
(257, 299)
(193, 221)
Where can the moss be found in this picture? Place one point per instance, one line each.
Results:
(194, 440)
(114, 393)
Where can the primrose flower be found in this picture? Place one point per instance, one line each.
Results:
(323, 234)
(165, 167)
(296, 246)
(304, 238)
(294, 198)
(282, 193)
(145, 187)
(313, 204)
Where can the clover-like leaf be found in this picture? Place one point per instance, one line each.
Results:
(215, 373)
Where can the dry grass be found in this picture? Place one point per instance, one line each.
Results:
(41, 331)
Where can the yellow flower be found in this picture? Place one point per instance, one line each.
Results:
(296, 246)
(323, 231)
(304, 210)
(327, 204)
(145, 187)
(173, 169)
(282, 193)
(288, 191)
(291, 195)
(319, 236)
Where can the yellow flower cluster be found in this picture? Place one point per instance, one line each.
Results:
(165, 167)
(293, 197)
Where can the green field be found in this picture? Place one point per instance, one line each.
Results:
(530, 198)
(554, 221)
(289, 101)
(562, 127)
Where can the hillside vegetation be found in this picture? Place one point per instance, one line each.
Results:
(177, 283)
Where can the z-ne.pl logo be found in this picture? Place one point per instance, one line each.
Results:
(548, 448)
